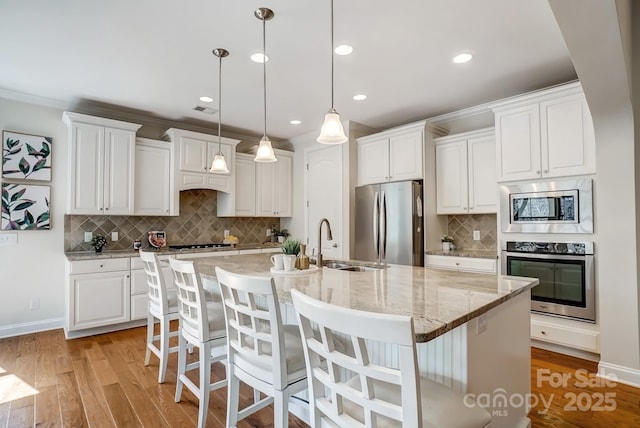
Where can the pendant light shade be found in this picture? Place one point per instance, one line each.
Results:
(219, 164)
(332, 131)
(265, 152)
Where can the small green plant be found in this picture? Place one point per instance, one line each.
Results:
(290, 246)
(98, 241)
(446, 238)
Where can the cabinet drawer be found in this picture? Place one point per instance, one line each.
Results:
(463, 264)
(567, 336)
(98, 265)
(136, 262)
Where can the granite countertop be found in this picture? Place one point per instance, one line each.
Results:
(478, 254)
(438, 300)
(106, 254)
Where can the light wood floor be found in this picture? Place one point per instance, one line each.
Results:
(101, 381)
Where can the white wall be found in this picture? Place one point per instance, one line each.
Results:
(35, 267)
(597, 39)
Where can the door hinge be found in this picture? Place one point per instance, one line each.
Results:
(307, 204)
(307, 167)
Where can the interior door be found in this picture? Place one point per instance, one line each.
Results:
(325, 199)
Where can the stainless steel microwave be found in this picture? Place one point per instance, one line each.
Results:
(563, 206)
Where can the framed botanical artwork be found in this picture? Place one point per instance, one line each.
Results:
(25, 207)
(26, 157)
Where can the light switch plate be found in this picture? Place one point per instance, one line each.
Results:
(114, 236)
(88, 236)
(482, 323)
(8, 239)
(476, 235)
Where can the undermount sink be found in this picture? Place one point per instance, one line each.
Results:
(351, 267)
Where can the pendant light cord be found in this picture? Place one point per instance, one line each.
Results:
(220, 106)
(264, 71)
(332, 55)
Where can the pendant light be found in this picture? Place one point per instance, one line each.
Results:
(332, 131)
(265, 151)
(219, 164)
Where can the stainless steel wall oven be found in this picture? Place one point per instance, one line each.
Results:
(566, 273)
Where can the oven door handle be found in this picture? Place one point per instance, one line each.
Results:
(548, 256)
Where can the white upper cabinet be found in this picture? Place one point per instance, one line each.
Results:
(196, 152)
(245, 185)
(392, 155)
(545, 134)
(154, 178)
(466, 173)
(273, 186)
(101, 165)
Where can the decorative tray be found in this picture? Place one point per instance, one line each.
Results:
(312, 269)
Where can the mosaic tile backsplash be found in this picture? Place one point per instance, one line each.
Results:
(196, 224)
(461, 229)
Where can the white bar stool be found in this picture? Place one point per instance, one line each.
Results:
(348, 390)
(201, 325)
(263, 353)
(163, 306)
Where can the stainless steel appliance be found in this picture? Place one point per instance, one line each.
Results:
(563, 206)
(389, 223)
(566, 273)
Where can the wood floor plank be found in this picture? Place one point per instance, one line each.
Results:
(71, 408)
(45, 374)
(25, 372)
(120, 407)
(171, 411)
(47, 414)
(93, 400)
(145, 410)
(21, 417)
(5, 407)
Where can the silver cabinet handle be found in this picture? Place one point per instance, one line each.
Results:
(537, 172)
(546, 171)
(335, 245)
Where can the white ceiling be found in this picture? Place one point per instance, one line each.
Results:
(155, 56)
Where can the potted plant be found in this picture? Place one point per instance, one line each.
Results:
(290, 248)
(97, 242)
(447, 242)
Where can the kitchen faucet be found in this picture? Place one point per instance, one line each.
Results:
(329, 238)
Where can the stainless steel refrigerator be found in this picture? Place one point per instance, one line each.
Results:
(388, 224)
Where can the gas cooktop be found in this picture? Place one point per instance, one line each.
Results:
(189, 246)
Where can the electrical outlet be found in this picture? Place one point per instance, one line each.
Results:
(88, 236)
(268, 232)
(476, 235)
(114, 236)
(482, 323)
(34, 303)
(8, 239)
(226, 233)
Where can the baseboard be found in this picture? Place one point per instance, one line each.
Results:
(31, 327)
(622, 374)
(74, 334)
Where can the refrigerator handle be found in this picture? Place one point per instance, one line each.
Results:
(383, 224)
(376, 220)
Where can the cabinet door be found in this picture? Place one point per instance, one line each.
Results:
(119, 171)
(266, 189)
(284, 188)
(86, 169)
(193, 155)
(245, 186)
(518, 143)
(405, 157)
(483, 188)
(568, 141)
(99, 299)
(153, 187)
(373, 161)
(451, 178)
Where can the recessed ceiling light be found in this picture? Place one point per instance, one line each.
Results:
(360, 97)
(344, 50)
(258, 57)
(206, 99)
(462, 58)
(295, 122)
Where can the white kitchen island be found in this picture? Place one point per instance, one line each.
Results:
(472, 330)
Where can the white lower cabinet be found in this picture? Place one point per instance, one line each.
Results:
(461, 264)
(561, 332)
(98, 293)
